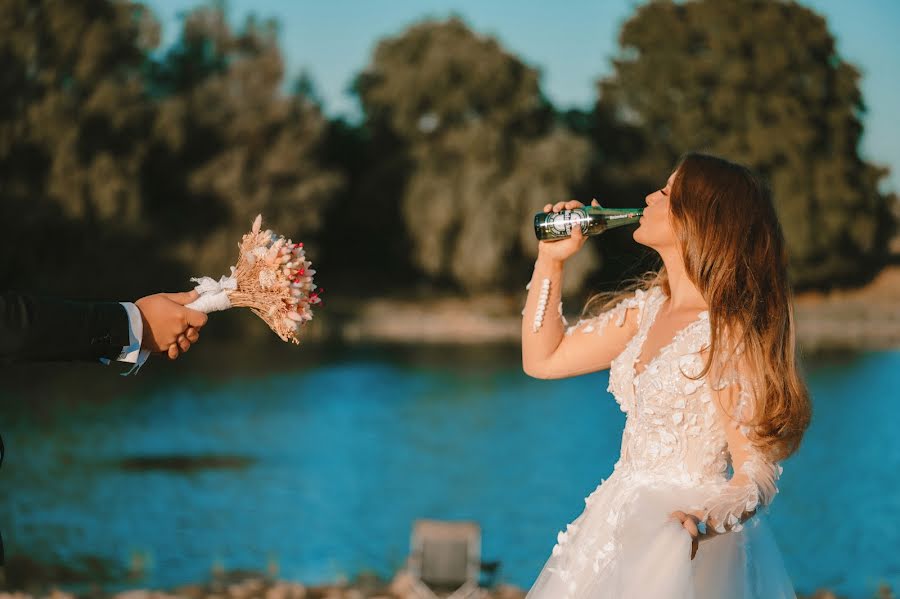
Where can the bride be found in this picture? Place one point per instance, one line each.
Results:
(702, 360)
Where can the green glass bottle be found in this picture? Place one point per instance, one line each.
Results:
(593, 220)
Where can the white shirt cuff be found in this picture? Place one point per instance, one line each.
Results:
(132, 353)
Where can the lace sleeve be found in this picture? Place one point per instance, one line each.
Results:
(616, 314)
(753, 484)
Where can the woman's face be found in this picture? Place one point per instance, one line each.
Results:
(655, 228)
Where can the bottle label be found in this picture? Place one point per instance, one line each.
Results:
(561, 223)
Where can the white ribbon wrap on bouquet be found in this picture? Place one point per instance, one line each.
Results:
(213, 294)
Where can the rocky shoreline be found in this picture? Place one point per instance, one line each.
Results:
(258, 587)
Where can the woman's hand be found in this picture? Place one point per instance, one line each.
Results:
(689, 522)
(563, 249)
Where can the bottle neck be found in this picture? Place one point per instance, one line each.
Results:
(615, 217)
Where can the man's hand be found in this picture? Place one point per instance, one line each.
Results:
(169, 326)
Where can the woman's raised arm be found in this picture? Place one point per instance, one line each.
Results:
(549, 349)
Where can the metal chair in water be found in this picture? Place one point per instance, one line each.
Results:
(445, 560)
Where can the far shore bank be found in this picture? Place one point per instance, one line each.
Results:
(858, 320)
(429, 329)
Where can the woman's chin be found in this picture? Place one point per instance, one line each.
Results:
(639, 237)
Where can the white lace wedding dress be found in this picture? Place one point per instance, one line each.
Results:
(675, 456)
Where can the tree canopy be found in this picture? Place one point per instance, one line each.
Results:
(236, 145)
(147, 165)
(483, 148)
(759, 82)
(73, 125)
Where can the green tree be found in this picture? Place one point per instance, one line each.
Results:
(121, 172)
(73, 117)
(759, 82)
(471, 149)
(229, 144)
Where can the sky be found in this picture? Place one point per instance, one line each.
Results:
(332, 40)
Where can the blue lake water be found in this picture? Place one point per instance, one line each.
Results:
(333, 462)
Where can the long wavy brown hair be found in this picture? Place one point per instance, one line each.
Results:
(734, 252)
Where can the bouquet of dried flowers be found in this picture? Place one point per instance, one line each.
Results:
(272, 277)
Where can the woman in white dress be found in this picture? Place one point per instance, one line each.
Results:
(702, 360)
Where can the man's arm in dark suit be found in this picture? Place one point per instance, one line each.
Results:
(36, 328)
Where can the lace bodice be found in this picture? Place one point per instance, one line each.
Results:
(675, 431)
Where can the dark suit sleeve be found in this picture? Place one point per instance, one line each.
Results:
(41, 328)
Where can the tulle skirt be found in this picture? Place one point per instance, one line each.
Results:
(625, 546)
